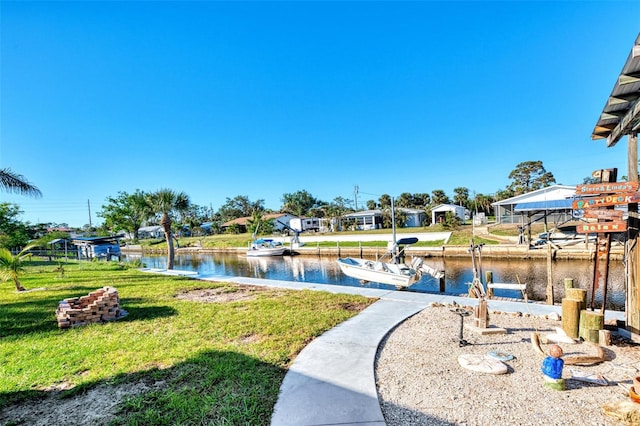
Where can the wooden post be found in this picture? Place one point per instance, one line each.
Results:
(632, 251)
(568, 283)
(574, 302)
(441, 283)
(571, 317)
(606, 274)
(590, 325)
(577, 294)
(488, 277)
(481, 315)
(549, 276)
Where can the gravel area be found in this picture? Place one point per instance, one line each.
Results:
(421, 383)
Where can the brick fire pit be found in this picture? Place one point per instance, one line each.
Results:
(98, 306)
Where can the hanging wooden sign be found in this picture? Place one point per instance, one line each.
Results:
(604, 227)
(606, 200)
(603, 214)
(606, 188)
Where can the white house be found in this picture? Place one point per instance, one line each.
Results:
(438, 213)
(414, 217)
(553, 201)
(155, 231)
(372, 219)
(366, 219)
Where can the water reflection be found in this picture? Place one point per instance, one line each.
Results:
(459, 273)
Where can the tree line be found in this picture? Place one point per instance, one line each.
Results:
(173, 211)
(131, 211)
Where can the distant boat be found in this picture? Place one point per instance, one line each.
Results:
(266, 247)
(564, 235)
(392, 271)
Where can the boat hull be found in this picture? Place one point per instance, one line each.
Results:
(266, 251)
(379, 272)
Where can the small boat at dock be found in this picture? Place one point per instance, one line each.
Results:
(266, 247)
(398, 274)
(391, 271)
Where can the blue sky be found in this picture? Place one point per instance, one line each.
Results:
(220, 99)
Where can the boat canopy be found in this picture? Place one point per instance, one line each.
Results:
(406, 241)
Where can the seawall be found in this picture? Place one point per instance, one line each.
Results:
(509, 251)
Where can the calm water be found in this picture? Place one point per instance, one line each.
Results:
(459, 272)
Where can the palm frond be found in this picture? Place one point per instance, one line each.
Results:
(16, 183)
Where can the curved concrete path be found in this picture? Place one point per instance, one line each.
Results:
(332, 380)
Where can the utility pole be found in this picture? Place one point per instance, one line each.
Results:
(355, 195)
(89, 208)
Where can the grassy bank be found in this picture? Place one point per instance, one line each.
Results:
(200, 362)
(459, 237)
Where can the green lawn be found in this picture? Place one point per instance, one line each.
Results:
(221, 363)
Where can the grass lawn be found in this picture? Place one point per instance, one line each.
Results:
(217, 362)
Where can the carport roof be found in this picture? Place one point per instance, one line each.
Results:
(621, 113)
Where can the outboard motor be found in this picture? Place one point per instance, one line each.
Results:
(416, 263)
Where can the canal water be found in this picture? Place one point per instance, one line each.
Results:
(458, 273)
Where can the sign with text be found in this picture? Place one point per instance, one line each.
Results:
(606, 188)
(606, 200)
(590, 228)
(605, 214)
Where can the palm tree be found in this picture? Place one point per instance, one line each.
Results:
(167, 203)
(13, 182)
(253, 224)
(11, 267)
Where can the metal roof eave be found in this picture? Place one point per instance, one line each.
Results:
(621, 113)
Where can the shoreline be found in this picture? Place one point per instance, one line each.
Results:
(508, 251)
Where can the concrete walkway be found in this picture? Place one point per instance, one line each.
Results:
(332, 380)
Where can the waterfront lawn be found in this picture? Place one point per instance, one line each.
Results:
(197, 363)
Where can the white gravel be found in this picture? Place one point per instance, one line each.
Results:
(421, 383)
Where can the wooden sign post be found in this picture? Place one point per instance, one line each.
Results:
(600, 206)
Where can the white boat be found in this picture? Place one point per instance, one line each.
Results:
(266, 247)
(398, 274)
(390, 272)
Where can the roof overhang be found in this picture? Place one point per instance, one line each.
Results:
(621, 113)
(544, 205)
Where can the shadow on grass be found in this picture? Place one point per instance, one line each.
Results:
(213, 387)
(27, 317)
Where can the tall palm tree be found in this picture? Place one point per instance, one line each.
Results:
(14, 182)
(12, 266)
(168, 203)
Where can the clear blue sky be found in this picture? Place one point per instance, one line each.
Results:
(220, 99)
